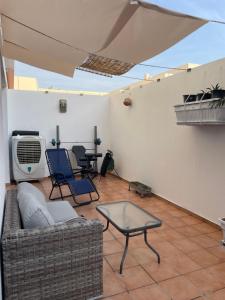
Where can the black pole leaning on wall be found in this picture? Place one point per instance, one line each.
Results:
(95, 147)
(57, 137)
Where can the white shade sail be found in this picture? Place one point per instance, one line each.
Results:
(38, 60)
(37, 42)
(66, 34)
(150, 31)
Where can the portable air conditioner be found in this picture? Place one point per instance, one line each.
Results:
(28, 155)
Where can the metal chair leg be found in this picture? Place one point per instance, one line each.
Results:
(73, 196)
(77, 204)
(61, 195)
(51, 193)
(95, 190)
(90, 196)
(60, 192)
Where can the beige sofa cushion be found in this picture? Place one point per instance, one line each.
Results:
(33, 213)
(31, 189)
(61, 211)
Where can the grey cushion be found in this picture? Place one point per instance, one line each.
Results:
(33, 213)
(30, 188)
(61, 211)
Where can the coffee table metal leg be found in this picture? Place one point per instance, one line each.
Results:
(124, 254)
(107, 226)
(147, 243)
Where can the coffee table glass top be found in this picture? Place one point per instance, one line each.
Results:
(127, 216)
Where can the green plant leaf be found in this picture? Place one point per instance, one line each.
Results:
(217, 103)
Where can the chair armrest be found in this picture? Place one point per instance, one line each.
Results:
(83, 159)
(77, 171)
(56, 176)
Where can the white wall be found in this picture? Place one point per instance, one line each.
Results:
(185, 165)
(40, 111)
(4, 158)
(3, 148)
(5, 134)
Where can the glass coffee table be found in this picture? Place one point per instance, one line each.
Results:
(131, 220)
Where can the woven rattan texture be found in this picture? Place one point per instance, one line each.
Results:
(57, 262)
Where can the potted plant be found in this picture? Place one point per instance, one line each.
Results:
(189, 98)
(218, 94)
(216, 91)
(217, 103)
(203, 112)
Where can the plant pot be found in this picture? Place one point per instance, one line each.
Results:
(218, 94)
(207, 96)
(200, 113)
(203, 96)
(199, 96)
(189, 98)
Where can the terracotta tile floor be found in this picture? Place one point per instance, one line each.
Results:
(192, 259)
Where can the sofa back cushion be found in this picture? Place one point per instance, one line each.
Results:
(31, 189)
(33, 213)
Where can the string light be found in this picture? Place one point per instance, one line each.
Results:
(136, 78)
(161, 67)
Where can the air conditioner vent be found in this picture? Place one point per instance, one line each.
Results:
(29, 152)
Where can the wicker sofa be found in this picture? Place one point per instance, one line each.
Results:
(57, 262)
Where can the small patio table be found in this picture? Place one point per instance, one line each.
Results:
(131, 220)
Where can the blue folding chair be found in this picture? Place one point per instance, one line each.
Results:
(61, 173)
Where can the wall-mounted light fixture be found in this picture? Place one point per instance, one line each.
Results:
(127, 102)
(63, 105)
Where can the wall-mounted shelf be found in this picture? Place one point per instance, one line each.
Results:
(199, 113)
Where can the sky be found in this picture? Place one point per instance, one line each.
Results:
(202, 46)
